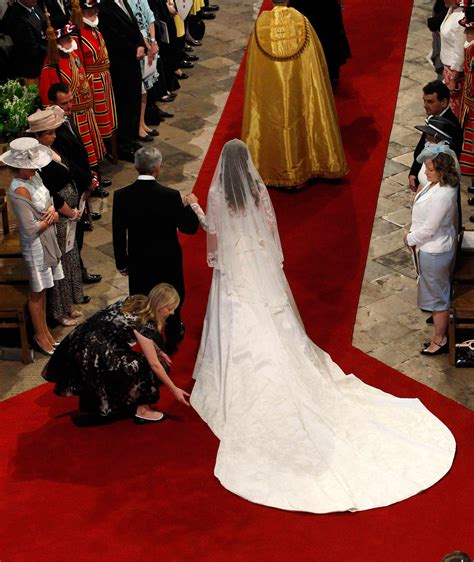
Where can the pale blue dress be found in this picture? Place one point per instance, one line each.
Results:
(41, 277)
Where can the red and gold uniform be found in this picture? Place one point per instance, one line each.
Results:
(96, 61)
(70, 70)
(467, 114)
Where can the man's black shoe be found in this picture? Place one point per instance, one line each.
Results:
(90, 278)
(470, 189)
(95, 216)
(182, 76)
(165, 114)
(212, 8)
(188, 48)
(85, 299)
(104, 182)
(126, 155)
(182, 331)
(100, 192)
(192, 58)
(186, 64)
(87, 226)
(207, 15)
(193, 42)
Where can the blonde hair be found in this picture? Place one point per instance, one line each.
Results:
(147, 308)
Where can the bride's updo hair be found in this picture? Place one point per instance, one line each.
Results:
(236, 175)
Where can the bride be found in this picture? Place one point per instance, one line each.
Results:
(295, 432)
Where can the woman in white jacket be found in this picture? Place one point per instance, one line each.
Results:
(433, 235)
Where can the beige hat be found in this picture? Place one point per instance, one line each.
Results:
(45, 119)
(28, 153)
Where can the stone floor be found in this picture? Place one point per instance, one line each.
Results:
(389, 285)
(389, 327)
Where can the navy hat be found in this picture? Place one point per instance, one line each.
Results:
(439, 127)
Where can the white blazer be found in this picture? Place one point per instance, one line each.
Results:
(434, 219)
(452, 40)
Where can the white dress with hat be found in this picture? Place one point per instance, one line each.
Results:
(41, 277)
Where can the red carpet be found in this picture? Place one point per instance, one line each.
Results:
(125, 493)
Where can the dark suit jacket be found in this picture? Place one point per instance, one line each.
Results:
(145, 220)
(29, 39)
(71, 147)
(457, 144)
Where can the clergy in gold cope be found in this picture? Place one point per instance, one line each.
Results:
(290, 123)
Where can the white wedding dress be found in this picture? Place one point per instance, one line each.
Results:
(295, 432)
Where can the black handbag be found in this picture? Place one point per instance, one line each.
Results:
(465, 354)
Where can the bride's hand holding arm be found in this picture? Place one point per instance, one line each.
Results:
(192, 201)
(149, 351)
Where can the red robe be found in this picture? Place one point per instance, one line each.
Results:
(467, 114)
(70, 70)
(96, 61)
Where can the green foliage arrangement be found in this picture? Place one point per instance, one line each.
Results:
(16, 103)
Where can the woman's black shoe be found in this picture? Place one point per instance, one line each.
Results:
(104, 182)
(141, 421)
(94, 216)
(85, 299)
(182, 76)
(429, 320)
(154, 133)
(441, 349)
(146, 138)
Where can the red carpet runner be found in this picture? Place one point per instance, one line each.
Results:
(126, 493)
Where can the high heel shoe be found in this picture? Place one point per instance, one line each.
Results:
(64, 321)
(441, 349)
(139, 420)
(38, 347)
(75, 314)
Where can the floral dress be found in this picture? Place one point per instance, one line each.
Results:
(96, 362)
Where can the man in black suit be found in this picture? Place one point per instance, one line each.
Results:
(126, 48)
(436, 101)
(25, 22)
(145, 219)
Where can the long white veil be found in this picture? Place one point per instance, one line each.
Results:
(242, 233)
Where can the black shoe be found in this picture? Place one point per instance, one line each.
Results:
(146, 138)
(192, 58)
(154, 133)
(87, 226)
(212, 8)
(136, 146)
(167, 98)
(100, 192)
(104, 182)
(182, 76)
(90, 278)
(193, 42)
(429, 320)
(441, 349)
(95, 216)
(182, 331)
(188, 48)
(186, 64)
(471, 219)
(141, 421)
(470, 201)
(85, 299)
(207, 15)
(470, 189)
(126, 155)
(165, 114)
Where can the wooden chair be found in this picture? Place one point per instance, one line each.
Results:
(14, 313)
(10, 241)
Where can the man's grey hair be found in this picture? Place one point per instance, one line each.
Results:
(147, 159)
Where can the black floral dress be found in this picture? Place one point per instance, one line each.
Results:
(97, 363)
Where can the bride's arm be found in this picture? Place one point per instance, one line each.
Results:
(201, 215)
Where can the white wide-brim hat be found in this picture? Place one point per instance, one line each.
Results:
(46, 119)
(27, 153)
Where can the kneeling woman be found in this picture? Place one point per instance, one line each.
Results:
(434, 233)
(111, 361)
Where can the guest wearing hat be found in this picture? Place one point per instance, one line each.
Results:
(433, 236)
(436, 97)
(37, 220)
(97, 67)
(57, 178)
(64, 64)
